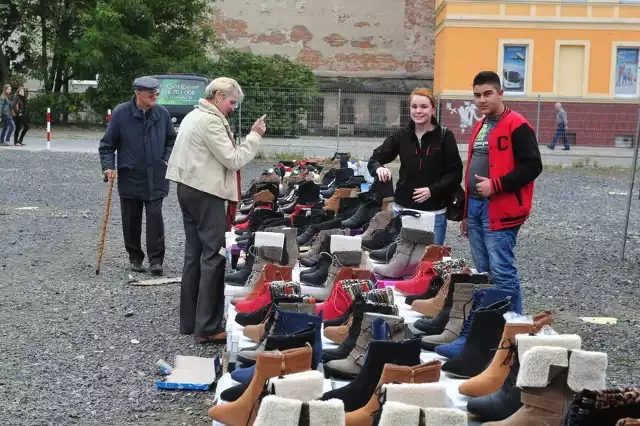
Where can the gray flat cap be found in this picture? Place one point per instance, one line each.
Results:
(145, 83)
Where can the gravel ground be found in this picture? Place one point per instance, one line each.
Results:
(67, 341)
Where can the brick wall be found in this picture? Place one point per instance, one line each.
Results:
(593, 124)
(357, 38)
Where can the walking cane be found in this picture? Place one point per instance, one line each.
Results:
(104, 222)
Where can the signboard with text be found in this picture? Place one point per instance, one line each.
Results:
(180, 91)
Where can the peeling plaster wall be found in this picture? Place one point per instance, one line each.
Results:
(375, 38)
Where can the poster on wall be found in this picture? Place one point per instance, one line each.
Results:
(514, 66)
(627, 71)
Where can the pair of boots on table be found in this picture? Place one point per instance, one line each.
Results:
(385, 361)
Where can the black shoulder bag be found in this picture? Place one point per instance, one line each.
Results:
(455, 206)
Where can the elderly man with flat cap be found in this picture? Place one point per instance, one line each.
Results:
(142, 135)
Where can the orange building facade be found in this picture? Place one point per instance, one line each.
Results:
(584, 54)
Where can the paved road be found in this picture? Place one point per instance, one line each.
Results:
(360, 148)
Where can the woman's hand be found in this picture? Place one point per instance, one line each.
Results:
(420, 195)
(384, 174)
(259, 126)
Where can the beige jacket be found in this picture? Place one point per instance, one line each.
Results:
(204, 157)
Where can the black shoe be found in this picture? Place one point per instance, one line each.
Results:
(353, 182)
(503, 403)
(484, 337)
(384, 254)
(434, 287)
(137, 267)
(318, 277)
(369, 206)
(433, 326)
(356, 394)
(156, 270)
(359, 309)
(347, 208)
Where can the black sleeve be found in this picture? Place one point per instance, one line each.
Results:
(452, 168)
(170, 141)
(528, 160)
(384, 154)
(109, 144)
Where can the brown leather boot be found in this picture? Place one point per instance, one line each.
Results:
(338, 334)
(444, 268)
(270, 272)
(491, 379)
(333, 203)
(243, 411)
(425, 373)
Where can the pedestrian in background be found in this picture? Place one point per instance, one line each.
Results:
(20, 117)
(205, 164)
(502, 163)
(8, 126)
(561, 130)
(142, 134)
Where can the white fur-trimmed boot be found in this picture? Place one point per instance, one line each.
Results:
(275, 410)
(416, 234)
(550, 377)
(400, 414)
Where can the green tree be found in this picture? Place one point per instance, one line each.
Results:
(273, 85)
(124, 39)
(10, 17)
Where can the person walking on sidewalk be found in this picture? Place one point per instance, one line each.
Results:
(430, 164)
(561, 130)
(142, 134)
(8, 126)
(20, 117)
(205, 164)
(502, 163)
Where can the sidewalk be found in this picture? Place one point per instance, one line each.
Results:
(86, 140)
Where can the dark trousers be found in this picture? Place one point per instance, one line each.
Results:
(132, 229)
(22, 125)
(202, 287)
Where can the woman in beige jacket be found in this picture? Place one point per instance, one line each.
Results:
(205, 162)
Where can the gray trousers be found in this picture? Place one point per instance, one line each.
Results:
(202, 288)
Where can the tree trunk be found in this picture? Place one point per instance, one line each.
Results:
(65, 92)
(44, 58)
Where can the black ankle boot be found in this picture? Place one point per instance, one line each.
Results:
(319, 276)
(348, 207)
(356, 394)
(370, 205)
(484, 337)
(240, 277)
(434, 287)
(359, 309)
(434, 326)
(503, 403)
(385, 254)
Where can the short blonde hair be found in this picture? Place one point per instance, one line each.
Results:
(225, 85)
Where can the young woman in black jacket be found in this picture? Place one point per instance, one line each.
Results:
(21, 119)
(430, 165)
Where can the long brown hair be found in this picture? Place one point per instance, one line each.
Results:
(4, 91)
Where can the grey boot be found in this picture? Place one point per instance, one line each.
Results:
(462, 298)
(349, 367)
(410, 246)
(320, 243)
(379, 221)
(346, 250)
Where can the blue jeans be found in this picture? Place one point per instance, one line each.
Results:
(494, 251)
(8, 126)
(561, 133)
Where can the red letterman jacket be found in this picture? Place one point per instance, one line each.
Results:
(514, 163)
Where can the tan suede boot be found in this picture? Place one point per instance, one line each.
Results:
(425, 373)
(444, 268)
(338, 334)
(491, 379)
(333, 203)
(379, 221)
(243, 411)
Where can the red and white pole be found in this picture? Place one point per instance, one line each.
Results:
(48, 128)
(108, 116)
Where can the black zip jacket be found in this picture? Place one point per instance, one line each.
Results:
(433, 162)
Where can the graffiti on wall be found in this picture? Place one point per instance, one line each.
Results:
(468, 114)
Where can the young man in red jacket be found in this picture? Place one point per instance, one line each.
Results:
(502, 163)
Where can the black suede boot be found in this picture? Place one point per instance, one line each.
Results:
(484, 336)
(348, 207)
(370, 205)
(503, 403)
(359, 309)
(356, 394)
(319, 275)
(434, 286)
(385, 254)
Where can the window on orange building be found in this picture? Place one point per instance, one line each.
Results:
(626, 72)
(514, 69)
